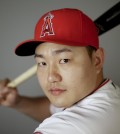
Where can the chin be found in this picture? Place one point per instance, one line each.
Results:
(61, 105)
(58, 105)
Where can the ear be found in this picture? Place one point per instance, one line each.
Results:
(98, 59)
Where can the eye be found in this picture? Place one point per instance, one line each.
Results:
(63, 61)
(42, 64)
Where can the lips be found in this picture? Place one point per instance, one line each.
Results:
(57, 91)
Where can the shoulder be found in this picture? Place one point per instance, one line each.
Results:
(108, 92)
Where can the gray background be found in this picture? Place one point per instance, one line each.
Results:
(17, 22)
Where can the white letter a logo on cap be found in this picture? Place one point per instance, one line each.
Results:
(47, 26)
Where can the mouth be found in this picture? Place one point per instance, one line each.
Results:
(57, 91)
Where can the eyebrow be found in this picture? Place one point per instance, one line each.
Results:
(38, 55)
(62, 50)
(54, 52)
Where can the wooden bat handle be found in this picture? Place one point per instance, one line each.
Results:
(21, 78)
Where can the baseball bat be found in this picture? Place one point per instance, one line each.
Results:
(104, 23)
(109, 19)
(24, 76)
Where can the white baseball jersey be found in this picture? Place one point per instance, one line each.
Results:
(98, 113)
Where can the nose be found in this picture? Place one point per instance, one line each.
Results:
(54, 75)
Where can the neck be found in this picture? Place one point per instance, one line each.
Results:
(100, 79)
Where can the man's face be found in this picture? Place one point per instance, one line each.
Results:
(66, 74)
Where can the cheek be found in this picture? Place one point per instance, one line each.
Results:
(79, 75)
(41, 79)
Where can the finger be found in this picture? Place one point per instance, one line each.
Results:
(4, 94)
(2, 98)
(4, 83)
(6, 90)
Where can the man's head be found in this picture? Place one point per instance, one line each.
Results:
(68, 56)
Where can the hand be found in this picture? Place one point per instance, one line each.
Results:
(9, 97)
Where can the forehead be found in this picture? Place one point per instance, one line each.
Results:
(51, 47)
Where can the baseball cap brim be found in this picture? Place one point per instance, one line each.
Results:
(27, 48)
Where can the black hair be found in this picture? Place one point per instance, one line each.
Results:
(90, 50)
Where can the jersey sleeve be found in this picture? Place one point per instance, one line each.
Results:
(71, 121)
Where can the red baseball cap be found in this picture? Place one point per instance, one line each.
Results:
(63, 26)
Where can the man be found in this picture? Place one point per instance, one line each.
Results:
(70, 72)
